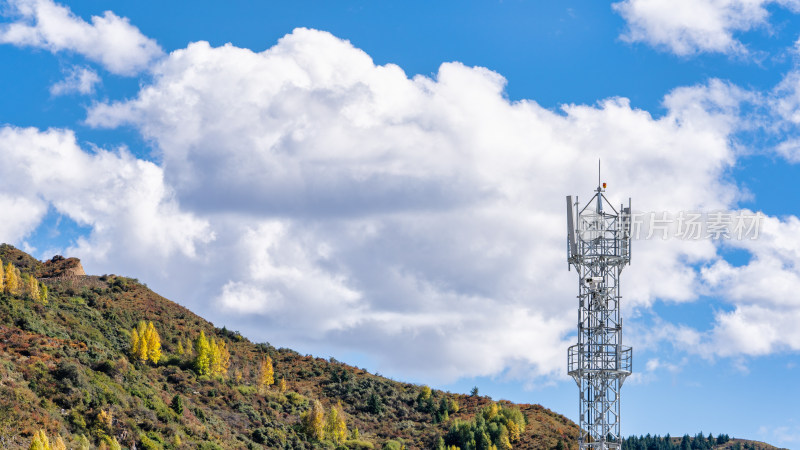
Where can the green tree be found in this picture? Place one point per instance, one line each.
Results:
(177, 404)
(374, 403)
(83, 443)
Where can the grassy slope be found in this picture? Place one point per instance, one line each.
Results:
(63, 363)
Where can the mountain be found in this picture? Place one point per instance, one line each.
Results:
(68, 372)
(66, 368)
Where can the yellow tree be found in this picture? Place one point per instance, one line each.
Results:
(213, 357)
(266, 376)
(105, 420)
(83, 442)
(153, 344)
(134, 342)
(220, 357)
(12, 282)
(202, 362)
(335, 425)
(188, 348)
(513, 431)
(2, 278)
(32, 287)
(313, 421)
(223, 359)
(40, 441)
(181, 351)
(43, 294)
(282, 386)
(59, 444)
(139, 341)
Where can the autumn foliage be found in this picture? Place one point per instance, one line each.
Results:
(145, 343)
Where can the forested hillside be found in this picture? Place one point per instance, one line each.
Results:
(696, 442)
(104, 362)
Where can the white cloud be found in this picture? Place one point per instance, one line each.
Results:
(763, 293)
(687, 27)
(109, 39)
(79, 79)
(419, 221)
(122, 199)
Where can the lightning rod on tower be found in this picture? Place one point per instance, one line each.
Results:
(599, 246)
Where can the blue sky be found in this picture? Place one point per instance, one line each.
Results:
(383, 183)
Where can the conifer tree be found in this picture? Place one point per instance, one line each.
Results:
(266, 376)
(153, 344)
(105, 420)
(113, 444)
(59, 444)
(12, 282)
(83, 442)
(139, 342)
(134, 342)
(223, 359)
(188, 347)
(213, 360)
(219, 357)
(513, 431)
(505, 444)
(40, 441)
(141, 351)
(335, 425)
(202, 362)
(32, 288)
(181, 351)
(313, 421)
(282, 386)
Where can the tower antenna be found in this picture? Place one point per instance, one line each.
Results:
(599, 247)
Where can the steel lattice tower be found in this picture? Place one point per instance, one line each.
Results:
(599, 246)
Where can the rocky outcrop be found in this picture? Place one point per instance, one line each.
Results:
(60, 267)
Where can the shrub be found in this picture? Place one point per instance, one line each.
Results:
(358, 444)
(392, 445)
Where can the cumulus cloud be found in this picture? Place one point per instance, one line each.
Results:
(762, 292)
(79, 79)
(687, 27)
(109, 39)
(418, 221)
(121, 198)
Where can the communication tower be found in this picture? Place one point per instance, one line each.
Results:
(599, 247)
